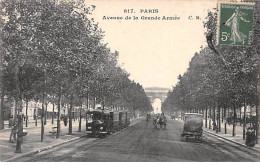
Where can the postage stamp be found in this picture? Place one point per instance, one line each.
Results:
(235, 23)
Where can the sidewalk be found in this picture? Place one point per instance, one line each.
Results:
(238, 139)
(33, 143)
(33, 139)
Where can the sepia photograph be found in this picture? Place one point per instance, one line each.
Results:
(129, 81)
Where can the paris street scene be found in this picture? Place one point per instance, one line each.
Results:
(129, 81)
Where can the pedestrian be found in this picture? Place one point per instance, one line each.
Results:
(254, 126)
(13, 132)
(163, 120)
(156, 121)
(214, 125)
(10, 122)
(65, 120)
(250, 137)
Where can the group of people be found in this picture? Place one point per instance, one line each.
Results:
(159, 120)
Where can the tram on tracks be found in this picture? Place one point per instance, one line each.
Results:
(101, 123)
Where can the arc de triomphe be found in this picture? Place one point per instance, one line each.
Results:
(157, 96)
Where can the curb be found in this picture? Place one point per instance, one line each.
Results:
(50, 147)
(232, 141)
(43, 149)
(257, 150)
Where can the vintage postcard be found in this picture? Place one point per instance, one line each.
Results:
(129, 80)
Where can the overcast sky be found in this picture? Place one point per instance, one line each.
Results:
(154, 52)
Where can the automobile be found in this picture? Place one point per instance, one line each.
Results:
(193, 123)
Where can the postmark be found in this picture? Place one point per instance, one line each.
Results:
(235, 23)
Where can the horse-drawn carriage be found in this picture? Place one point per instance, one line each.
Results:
(160, 121)
(193, 126)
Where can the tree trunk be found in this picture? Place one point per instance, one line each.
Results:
(18, 113)
(103, 104)
(225, 127)
(36, 114)
(206, 118)
(222, 115)
(214, 113)
(45, 119)
(1, 107)
(234, 122)
(225, 115)
(15, 117)
(52, 116)
(94, 103)
(210, 114)
(210, 117)
(74, 119)
(80, 117)
(26, 114)
(250, 117)
(257, 101)
(244, 123)
(20, 134)
(58, 115)
(219, 122)
(240, 116)
(225, 111)
(70, 115)
(87, 110)
(1, 94)
(257, 113)
(42, 118)
(214, 117)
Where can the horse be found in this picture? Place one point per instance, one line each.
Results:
(156, 122)
(162, 122)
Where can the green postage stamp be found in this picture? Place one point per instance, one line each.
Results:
(235, 23)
